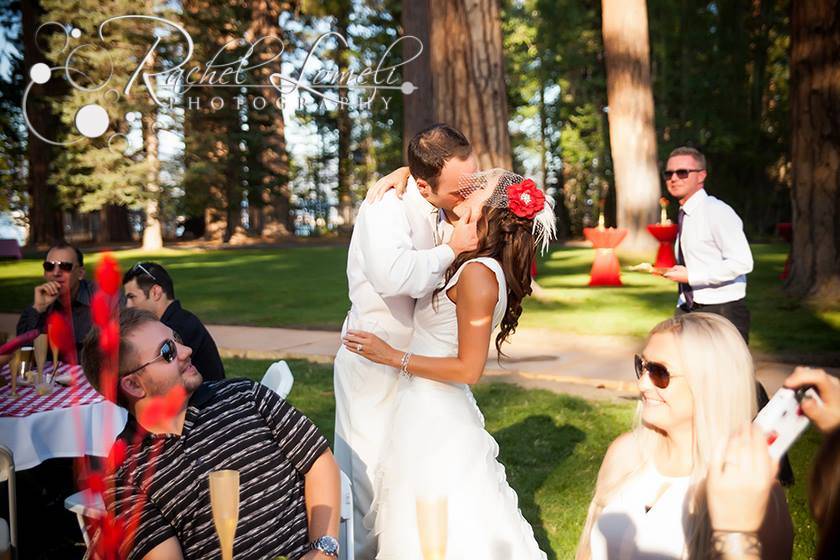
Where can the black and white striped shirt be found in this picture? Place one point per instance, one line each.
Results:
(231, 424)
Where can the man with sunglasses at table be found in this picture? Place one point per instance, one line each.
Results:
(64, 272)
(148, 286)
(713, 255)
(158, 490)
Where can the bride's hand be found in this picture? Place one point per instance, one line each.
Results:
(371, 347)
(397, 180)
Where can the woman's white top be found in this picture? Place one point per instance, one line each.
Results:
(626, 529)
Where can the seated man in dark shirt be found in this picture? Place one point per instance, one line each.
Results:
(148, 286)
(65, 286)
(289, 497)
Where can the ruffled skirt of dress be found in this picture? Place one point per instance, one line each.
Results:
(438, 447)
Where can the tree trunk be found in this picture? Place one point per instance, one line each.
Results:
(152, 232)
(815, 113)
(273, 191)
(418, 108)
(468, 81)
(344, 125)
(632, 133)
(45, 217)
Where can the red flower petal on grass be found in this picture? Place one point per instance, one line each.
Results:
(108, 275)
(100, 308)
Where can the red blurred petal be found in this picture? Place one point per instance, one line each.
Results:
(108, 275)
(153, 413)
(117, 455)
(175, 401)
(60, 333)
(109, 338)
(95, 483)
(100, 308)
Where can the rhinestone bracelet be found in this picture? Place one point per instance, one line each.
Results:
(735, 544)
(404, 364)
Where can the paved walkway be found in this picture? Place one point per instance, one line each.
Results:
(588, 366)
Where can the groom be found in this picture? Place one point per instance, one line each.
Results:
(400, 250)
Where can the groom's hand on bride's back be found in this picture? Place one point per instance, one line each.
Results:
(397, 180)
(464, 236)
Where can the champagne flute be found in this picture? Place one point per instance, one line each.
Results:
(41, 346)
(14, 366)
(432, 521)
(224, 499)
(54, 351)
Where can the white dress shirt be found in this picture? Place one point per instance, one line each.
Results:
(715, 250)
(396, 255)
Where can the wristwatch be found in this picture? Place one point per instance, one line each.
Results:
(327, 545)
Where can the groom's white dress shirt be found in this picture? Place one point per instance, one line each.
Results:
(396, 255)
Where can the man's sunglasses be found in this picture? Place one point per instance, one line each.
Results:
(143, 269)
(168, 352)
(658, 373)
(49, 266)
(681, 173)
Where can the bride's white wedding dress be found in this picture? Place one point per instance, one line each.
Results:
(438, 447)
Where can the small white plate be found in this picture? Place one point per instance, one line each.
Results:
(64, 378)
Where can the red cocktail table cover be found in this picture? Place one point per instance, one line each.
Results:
(666, 235)
(606, 270)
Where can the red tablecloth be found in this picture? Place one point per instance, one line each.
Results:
(80, 392)
(666, 235)
(785, 231)
(606, 270)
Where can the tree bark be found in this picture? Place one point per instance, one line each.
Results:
(815, 113)
(152, 231)
(273, 191)
(468, 82)
(344, 125)
(632, 132)
(418, 107)
(46, 223)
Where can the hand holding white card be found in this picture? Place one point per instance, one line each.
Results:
(782, 419)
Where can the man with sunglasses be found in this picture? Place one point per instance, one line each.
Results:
(713, 255)
(147, 285)
(66, 290)
(180, 430)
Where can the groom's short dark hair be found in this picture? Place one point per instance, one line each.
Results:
(432, 147)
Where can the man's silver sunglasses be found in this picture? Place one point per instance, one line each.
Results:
(141, 268)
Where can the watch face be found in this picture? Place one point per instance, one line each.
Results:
(327, 545)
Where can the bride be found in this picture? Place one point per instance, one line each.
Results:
(438, 451)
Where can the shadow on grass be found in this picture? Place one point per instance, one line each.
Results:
(530, 450)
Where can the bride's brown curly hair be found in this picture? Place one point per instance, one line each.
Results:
(504, 236)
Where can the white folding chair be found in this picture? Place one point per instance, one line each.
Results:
(85, 504)
(278, 377)
(7, 472)
(345, 532)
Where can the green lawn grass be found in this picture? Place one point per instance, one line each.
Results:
(551, 446)
(306, 287)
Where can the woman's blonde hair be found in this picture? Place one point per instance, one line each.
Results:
(719, 370)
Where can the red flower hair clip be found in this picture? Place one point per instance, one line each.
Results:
(525, 199)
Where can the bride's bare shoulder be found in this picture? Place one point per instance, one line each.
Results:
(480, 281)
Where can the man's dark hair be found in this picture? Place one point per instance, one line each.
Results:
(431, 148)
(147, 274)
(64, 245)
(93, 361)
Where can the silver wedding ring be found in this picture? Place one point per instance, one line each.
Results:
(358, 348)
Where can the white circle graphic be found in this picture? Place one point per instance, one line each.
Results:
(408, 88)
(76, 33)
(40, 73)
(92, 120)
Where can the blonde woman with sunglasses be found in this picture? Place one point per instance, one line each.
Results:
(696, 384)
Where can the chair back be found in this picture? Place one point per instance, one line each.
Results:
(278, 377)
(7, 472)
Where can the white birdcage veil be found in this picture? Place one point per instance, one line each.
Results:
(501, 181)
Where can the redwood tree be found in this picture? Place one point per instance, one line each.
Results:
(815, 112)
(632, 133)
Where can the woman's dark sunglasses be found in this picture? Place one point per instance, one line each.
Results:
(49, 266)
(681, 173)
(168, 352)
(658, 373)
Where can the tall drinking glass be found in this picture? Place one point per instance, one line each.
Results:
(432, 521)
(224, 499)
